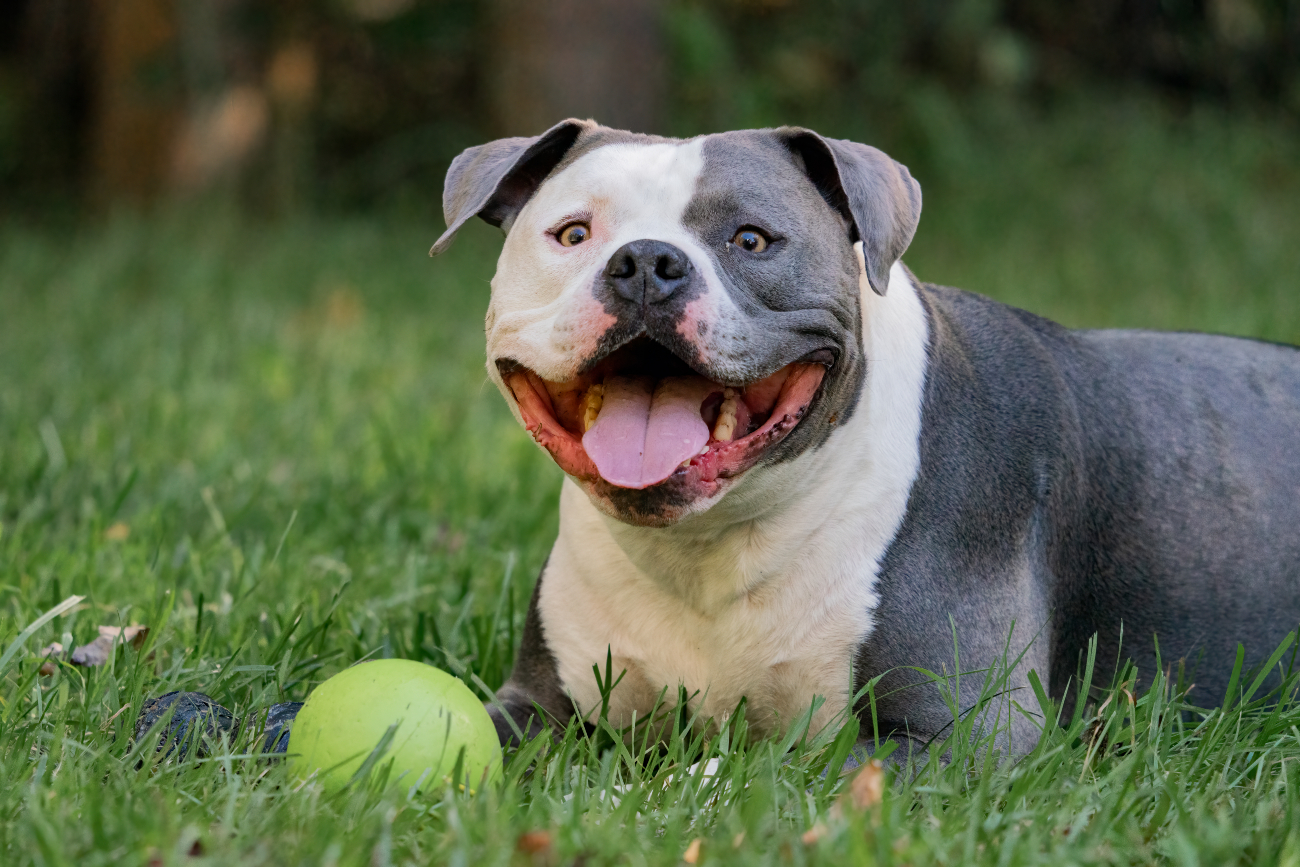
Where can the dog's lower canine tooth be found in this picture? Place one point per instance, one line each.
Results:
(591, 404)
(725, 427)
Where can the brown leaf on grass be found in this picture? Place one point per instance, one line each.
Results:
(867, 788)
(98, 651)
(48, 652)
(534, 842)
(813, 834)
(117, 532)
(692, 853)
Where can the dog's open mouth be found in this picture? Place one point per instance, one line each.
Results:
(642, 415)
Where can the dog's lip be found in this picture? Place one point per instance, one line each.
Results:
(798, 391)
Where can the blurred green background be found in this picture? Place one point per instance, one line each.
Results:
(1109, 162)
(355, 103)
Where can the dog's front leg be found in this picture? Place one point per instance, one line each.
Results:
(961, 670)
(533, 698)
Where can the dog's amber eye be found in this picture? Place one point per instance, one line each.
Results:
(750, 240)
(573, 234)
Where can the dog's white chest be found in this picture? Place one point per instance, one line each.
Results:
(771, 609)
(788, 638)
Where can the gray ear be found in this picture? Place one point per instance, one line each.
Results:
(495, 180)
(877, 196)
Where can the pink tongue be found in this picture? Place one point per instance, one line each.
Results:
(646, 430)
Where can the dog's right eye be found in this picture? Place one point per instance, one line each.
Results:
(573, 234)
(750, 239)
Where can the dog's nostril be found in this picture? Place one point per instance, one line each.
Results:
(621, 266)
(670, 268)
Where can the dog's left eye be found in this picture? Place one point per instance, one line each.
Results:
(573, 234)
(750, 240)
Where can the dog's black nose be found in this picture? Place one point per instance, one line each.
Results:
(647, 272)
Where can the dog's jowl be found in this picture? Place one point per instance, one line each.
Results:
(792, 467)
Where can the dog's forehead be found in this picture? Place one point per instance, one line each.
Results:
(636, 178)
(646, 175)
(656, 170)
(749, 162)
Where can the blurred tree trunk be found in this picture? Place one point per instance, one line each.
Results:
(565, 58)
(136, 106)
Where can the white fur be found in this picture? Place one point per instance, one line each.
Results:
(769, 592)
(543, 313)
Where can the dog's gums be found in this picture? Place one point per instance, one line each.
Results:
(641, 418)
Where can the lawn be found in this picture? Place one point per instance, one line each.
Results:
(273, 443)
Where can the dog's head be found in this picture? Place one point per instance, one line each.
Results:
(669, 314)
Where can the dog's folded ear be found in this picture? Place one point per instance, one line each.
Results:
(495, 180)
(877, 196)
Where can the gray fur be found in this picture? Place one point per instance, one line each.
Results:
(791, 295)
(495, 180)
(1073, 483)
(877, 195)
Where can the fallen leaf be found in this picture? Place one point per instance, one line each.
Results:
(94, 653)
(49, 652)
(98, 651)
(692, 853)
(117, 532)
(813, 834)
(867, 788)
(738, 840)
(534, 842)
(132, 635)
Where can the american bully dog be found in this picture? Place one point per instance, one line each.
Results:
(792, 467)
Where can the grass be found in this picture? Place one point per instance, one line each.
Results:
(273, 443)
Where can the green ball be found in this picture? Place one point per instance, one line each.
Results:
(436, 715)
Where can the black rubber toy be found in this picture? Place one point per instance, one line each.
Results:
(197, 720)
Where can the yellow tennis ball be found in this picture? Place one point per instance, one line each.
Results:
(436, 717)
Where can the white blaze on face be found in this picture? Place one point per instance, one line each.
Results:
(543, 313)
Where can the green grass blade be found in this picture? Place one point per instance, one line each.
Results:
(16, 645)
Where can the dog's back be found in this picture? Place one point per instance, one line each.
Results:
(1196, 466)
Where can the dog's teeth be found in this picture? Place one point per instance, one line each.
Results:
(725, 427)
(591, 403)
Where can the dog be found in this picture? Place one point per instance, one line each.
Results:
(793, 469)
